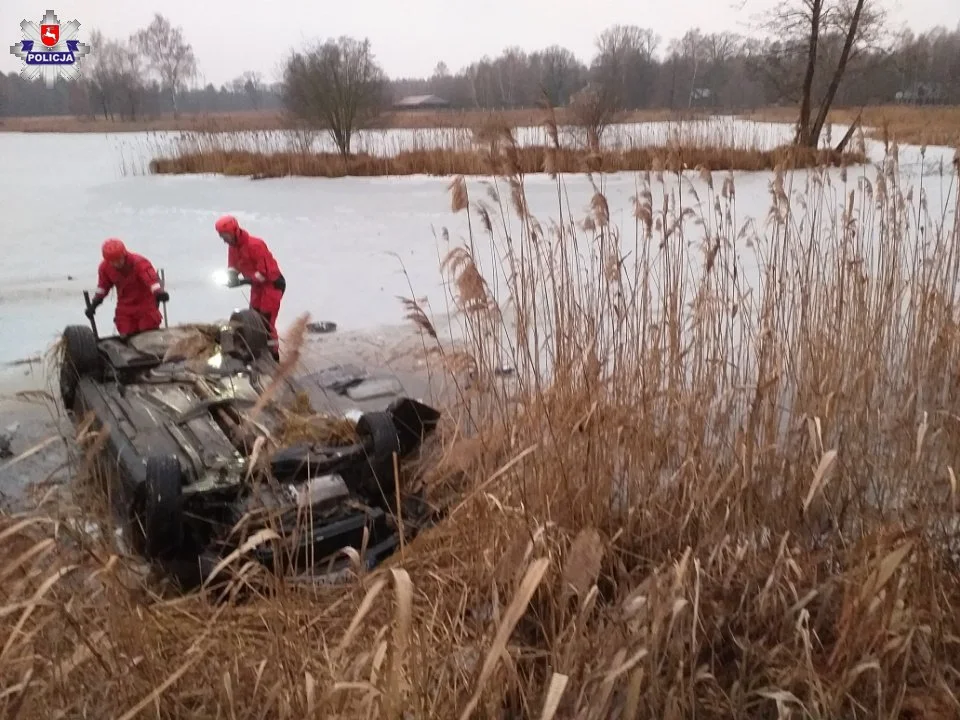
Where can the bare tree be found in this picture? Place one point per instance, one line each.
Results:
(692, 51)
(722, 46)
(560, 73)
(338, 86)
(129, 79)
(625, 64)
(811, 24)
(169, 55)
(115, 78)
(97, 75)
(512, 73)
(627, 39)
(444, 84)
(594, 108)
(484, 89)
(251, 84)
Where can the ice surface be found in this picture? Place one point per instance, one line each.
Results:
(348, 247)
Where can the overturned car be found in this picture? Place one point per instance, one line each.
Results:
(199, 463)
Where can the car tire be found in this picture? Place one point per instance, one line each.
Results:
(252, 331)
(81, 357)
(378, 433)
(162, 511)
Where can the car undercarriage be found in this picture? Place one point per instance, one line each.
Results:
(195, 418)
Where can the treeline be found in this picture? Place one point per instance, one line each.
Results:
(719, 70)
(153, 71)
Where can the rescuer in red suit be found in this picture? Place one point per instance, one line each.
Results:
(250, 257)
(139, 292)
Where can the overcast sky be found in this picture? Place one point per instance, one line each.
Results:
(409, 37)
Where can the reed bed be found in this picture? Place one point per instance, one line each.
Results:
(530, 160)
(929, 125)
(717, 143)
(723, 131)
(702, 497)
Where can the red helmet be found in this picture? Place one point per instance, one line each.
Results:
(114, 250)
(228, 224)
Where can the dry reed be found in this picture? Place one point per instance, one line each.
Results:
(535, 159)
(707, 497)
(930, 125)
(302, 424)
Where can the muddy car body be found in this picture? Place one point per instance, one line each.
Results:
(194, 475)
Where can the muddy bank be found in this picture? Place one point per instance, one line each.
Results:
(39, 432)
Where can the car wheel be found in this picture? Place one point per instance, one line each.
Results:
(162, 511)
(378, 433)
(81, 357)
(252, 331)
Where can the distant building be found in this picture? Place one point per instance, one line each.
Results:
(701, 97)
(421, 102)
(922, 93)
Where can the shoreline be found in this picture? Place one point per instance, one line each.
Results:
(268, 120)
(919, 125)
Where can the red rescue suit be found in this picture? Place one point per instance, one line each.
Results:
(250, 257)
(137, 284)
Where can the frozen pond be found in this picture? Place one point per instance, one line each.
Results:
(348, 247)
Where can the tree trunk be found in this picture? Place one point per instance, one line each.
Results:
(803, 123)
(693, 82)
(849, 134)
(837, 75)
(341, 138)
(673, 84)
